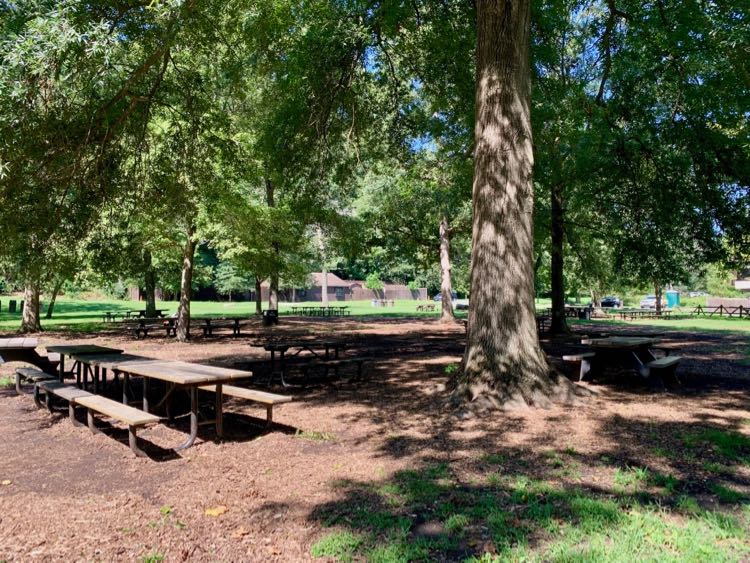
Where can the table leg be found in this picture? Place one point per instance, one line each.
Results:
(78, 373)
(61, 367)
(193, 420)
(85, 369)
(125, 385)
(97, 378)
(145, 393)
(219, 410)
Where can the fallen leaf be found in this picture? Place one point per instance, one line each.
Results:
(7, 482)
(216, 511)
(240, 532)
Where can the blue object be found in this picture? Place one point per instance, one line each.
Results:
(673, 298)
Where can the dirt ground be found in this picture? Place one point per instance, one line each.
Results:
(70, 495)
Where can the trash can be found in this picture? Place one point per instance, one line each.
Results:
(270, 317)
(673, 298)
(584, 313)
(12, 306)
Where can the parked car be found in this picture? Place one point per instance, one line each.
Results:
(439, 296)
(649, 302)
(611, 301)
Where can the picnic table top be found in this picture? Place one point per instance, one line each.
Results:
(18, 343)
(277, 346)
(82, 349)
(185, 374)
(110, 361)
(623, 342)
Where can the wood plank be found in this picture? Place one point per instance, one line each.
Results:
(18, 343)
(124, 413)
(665, 362)
(64, 391)
(250, 394)
(83, 349)
(111, 361)
(182, 373)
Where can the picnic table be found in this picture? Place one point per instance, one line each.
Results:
(630, 352)
(78, 350)
(321, 311)
(138, 313)
(644, 314)
(24, 350)
(325, 349)
(178, 375)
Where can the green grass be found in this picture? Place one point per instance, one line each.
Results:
(7, 382)
(314, 436)
(530, 519)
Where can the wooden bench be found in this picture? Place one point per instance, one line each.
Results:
(267, 399)
(143, 326)
(132, 417)
(583, 358)
(66, 392)
(665, 368)
(210, 324)
(32, 375)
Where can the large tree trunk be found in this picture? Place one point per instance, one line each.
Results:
(324, 288)
(324, 269)
(258, 296)
(273, 290)
(658, 294)
(503, 365)
(53, 299)
(446, 286)
(149, 280)
(186, 287)
(30, 321)
(558, 324)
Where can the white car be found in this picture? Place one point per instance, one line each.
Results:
(649, 302)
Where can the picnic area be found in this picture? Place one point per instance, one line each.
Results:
(375, 465)
(382, 282)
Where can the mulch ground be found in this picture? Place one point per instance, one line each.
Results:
(70, 495)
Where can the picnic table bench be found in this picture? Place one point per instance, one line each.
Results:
(426, 307)
(210, 324)
(635, 353)
(132, 417)
(143, 326)
(643, 314)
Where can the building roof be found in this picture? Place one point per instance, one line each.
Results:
(333, 280)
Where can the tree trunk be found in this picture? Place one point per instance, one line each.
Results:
(324, 288)
(186, 287)
(657, 293)
(30, 321)
(258, 296)
(53, 299)
(149, 281)
(503, 364)
(273, 290)
(446, 287)
(558, 323)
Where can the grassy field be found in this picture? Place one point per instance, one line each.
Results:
(86, 315)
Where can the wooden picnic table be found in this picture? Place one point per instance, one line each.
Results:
(183, 375)
(24, 350)
(78, 350)
(281, 348)
(631, 351)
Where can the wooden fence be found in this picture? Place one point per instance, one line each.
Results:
(723, 311)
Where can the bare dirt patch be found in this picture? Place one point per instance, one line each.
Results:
(71, 495)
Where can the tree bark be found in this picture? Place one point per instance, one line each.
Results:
(30, 321)
(503, 364)
(446, 286)
(657, 294)
(324, 287)
(149, 280)
(258, 296)
(53, 299)
(186, 287)
(558, 324)
(273, 290)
